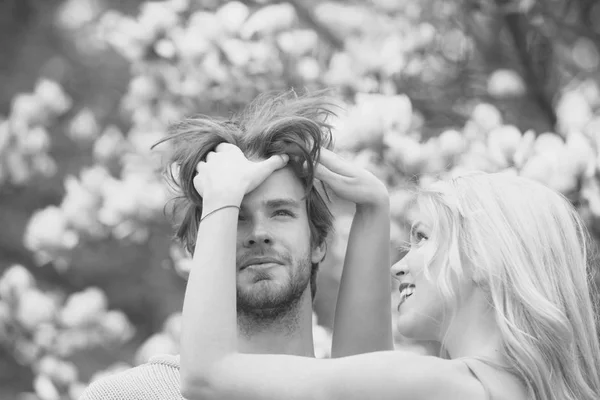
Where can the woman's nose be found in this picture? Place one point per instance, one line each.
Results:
(400, 268)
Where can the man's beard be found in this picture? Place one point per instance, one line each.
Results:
(278, 302)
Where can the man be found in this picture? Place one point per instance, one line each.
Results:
(283, 220)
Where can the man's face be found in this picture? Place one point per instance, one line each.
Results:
(274, 253)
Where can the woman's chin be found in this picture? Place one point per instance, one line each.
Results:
(411, 329)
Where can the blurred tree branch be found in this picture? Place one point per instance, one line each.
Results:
(307, 15)
(534, 56)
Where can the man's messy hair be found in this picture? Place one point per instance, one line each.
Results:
(272, 124)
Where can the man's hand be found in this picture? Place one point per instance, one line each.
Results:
(227, 175)
(350, 182)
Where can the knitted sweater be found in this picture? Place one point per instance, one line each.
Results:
(158, 379)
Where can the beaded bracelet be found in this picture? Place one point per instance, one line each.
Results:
(218, 209)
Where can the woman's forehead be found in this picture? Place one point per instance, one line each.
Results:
(419, 215)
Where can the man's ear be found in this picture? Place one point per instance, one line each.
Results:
(319, 252)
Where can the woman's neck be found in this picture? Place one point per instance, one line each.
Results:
(474, 332)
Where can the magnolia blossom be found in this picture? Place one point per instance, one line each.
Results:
(548, 143)
(406, 153)
(124, 34)
(15, 280)
(486, 117)
(504, 83)
(44, 335)
(172, 326)
(525, 148)
(237, 51)
(80, 207)
(71, 340)
(116, 326)
(190, 43)
(345, 18)
(52, 95)
(76, 390)
(35, 141)
(34, 308)
(110, 145)
(476, 158)
(268, 20)
(157, 17)
(373, 115)
(84, 127)
(308, 68)
(45, 389)
(298, 42)
(25, 351)
(73, 14)
(400, 198)
(208, 25)
(28, 109)
(48, 234)
(573, 112)
(503, 143)
(83, 308)
(120, 202)
(555, 164)
(452, 143)
(581, 153)
(342, 70)
(59, 371)
(94, 178)
(17, 168)
(159, 343)
(322, 341)
(144, 88)
(182, 261)
(321, 338)
(232, 16)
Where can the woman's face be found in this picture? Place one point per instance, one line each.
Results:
(420, 306)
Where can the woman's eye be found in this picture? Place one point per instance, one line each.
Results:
(419, 237)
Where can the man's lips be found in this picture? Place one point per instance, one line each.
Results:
(258, 261)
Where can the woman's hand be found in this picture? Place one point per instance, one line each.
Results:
(350, 182)
(227, 173)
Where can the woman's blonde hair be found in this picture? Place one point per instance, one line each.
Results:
(527, 248)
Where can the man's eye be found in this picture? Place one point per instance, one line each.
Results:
(285, 213)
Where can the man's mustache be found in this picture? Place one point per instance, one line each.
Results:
(255, 257)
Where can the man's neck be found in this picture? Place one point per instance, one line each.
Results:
(290, 335)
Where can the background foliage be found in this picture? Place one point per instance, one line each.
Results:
(90, 279)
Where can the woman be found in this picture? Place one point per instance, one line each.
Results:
(496, 273)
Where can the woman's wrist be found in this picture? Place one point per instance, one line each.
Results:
(380, 203)
(213, 201)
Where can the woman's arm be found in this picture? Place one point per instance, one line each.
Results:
(363, 312)
(392, 375)
(209, 319)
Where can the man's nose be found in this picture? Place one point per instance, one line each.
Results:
(259, 235)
